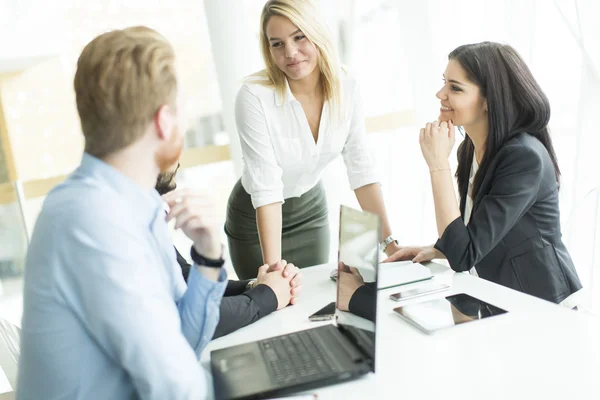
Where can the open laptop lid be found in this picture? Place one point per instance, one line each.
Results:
(358, 260)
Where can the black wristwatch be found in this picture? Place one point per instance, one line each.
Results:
(206, 262)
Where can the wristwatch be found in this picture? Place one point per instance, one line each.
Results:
(251, 284)
(199, 259)
(387, 241)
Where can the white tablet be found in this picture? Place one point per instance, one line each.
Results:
(433, 315)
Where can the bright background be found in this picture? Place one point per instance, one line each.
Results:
(398, 50)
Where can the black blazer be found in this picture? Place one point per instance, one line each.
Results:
(513, 237)
(239, 307)
(363, 301)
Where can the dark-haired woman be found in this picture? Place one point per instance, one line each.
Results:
(507, 229)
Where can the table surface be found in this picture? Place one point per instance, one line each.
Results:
(537, 350)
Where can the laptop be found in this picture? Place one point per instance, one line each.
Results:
(322, 356)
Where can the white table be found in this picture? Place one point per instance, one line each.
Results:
(536, 351)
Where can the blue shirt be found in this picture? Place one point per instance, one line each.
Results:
(106, 312)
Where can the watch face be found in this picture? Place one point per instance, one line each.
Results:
(250, 284)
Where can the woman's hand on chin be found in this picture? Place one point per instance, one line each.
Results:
(437, 140)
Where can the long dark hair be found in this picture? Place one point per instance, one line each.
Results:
(515, 101)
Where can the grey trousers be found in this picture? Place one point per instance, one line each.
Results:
(305, 231)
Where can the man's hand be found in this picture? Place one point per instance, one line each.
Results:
(286, 282)
(349, 281)
(289, 270)
(195, 214)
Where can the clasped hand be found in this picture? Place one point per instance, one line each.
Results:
(284, 279)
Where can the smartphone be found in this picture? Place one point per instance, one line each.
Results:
(420, 291)
(333, 275)
(324, 314)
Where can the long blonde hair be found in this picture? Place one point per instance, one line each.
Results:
(303, 14)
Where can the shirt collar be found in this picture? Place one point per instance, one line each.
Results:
(145, 203)
(287, 95)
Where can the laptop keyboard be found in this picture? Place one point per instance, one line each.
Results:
(296, 357)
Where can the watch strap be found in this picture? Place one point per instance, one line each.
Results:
(387, 241)
(199, 259)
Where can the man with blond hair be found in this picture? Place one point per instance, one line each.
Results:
(106, 312)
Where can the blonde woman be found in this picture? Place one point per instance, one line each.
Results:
(293, 119)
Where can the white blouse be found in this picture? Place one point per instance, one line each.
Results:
(281, 158)
(469, 201)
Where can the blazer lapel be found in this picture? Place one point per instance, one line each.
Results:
(485, 185)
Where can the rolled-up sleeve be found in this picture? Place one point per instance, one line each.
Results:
(263, 175)
(358, 157)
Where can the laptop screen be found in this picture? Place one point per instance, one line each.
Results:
(358, 254)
